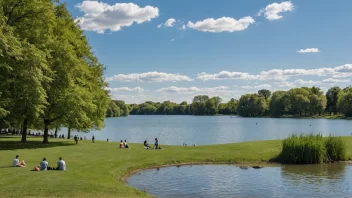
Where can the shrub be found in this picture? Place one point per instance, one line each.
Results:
(311, 149)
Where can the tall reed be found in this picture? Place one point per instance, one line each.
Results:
(335, 148)
(312, 149)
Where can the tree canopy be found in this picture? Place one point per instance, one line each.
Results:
(49, 75)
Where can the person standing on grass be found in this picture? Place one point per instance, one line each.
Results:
(93, 138)
(61, 164)
(156, 143)
(16, 162)
(76, 139)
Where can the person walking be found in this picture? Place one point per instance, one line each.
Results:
(76, 139)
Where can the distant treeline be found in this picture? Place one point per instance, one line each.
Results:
(303, 101)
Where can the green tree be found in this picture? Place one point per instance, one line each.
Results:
(75, 95)
(332, 98)
(251, 105)
(264, 93)
(217, 100)
(31, 22)
(199, 104)
(279, 103)
(344, 102)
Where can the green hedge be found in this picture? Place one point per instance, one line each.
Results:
(312, 149)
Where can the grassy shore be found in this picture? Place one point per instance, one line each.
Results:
(97, 169)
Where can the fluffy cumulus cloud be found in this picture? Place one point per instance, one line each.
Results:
(192, 89)
(224, 24)
(149, 77)
(333, 80)
(168, 23)
(308, 50)
(280, 74)
(120, 89)
(263, 86)
(307, 82)
(99, 16)
(273, 11)
(225, 75)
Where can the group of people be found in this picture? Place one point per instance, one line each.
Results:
(123, 144)
(156, 144)
(43, 166)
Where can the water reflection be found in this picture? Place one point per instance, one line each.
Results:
(231, 181)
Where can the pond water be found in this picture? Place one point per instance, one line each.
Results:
(204, 130)
(328, 180)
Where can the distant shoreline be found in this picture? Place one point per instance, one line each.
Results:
(332, 117)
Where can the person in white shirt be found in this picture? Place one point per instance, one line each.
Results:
(61, 165)
(16, 162)
(44, 165)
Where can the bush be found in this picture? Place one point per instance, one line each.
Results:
(312, 149)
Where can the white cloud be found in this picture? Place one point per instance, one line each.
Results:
(168, 23)
(224, 24)
(119, 89)
(172, 40)
(99, 16)
(308, 50)
(273, 11)
(174, 89)
(332, 80)
(307, 82)
(280, 74)
(149, 77)
(285, 84)
(224, 75)
(263, 86)
(184, 27)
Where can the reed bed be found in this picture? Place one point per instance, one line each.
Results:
(312, 149)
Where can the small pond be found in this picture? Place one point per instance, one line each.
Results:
(328, 180)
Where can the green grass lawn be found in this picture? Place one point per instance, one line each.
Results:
(96, 169)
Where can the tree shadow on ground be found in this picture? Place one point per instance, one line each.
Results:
(30, 144)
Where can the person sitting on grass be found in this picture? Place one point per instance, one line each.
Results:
(125, 144)
(61, 164)
(43, 165)
(121, 144)
(16, 162)
(146, 145)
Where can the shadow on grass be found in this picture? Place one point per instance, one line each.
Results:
(31, 144)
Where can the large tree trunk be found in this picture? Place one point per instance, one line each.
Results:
(24, 131)
(69, 133)
(56, 132)
(46, 131)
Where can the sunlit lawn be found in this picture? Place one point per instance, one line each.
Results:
(96, 169)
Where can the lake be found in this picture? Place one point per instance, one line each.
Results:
(326, 180)
(204, 130)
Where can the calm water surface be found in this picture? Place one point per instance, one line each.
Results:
(333, 180)
(201, 130)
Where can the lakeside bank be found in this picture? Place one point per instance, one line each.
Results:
(97, 169)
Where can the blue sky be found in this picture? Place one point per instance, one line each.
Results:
(174, 49)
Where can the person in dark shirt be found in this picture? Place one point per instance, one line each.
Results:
(156, 143)
(76, 139)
